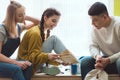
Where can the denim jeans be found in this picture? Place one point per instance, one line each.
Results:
(53, 43)
(87, 64)
(15, 72)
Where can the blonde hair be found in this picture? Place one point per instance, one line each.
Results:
(10, 17)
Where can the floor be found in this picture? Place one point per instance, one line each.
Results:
(64, 75)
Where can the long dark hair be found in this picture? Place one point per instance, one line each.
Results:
(48, 13)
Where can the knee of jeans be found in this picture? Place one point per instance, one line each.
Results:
(86, 60)
(53, 36)
(18, 69)
(30, 67)
(118, 62)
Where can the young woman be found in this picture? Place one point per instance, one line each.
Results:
(10, 39)
(37, 44)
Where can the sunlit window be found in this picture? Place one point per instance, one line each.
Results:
(74, 27)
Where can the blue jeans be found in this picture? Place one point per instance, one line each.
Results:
(53, 43)
(15, 72)
(87, 64)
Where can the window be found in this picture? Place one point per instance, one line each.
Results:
(74, 26)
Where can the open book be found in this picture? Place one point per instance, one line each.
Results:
(67, 57)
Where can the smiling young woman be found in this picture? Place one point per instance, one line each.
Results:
(36, 46)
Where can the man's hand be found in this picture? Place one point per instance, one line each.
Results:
(101, 63)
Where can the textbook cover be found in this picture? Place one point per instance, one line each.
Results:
(67, 57)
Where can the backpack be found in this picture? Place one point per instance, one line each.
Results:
(96, 74)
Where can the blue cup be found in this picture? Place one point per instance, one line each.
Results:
(74, 69)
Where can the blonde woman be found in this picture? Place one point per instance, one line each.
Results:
(10, 39)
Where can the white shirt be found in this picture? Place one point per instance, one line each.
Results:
(107, 40)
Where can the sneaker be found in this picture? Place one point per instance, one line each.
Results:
(51, 70)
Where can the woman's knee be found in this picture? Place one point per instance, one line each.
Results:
(18, 73)
(18, 69)
(29, 69)
(54, 37)
(28, 73)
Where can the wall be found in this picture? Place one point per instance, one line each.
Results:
(117, 7)
(74, 26)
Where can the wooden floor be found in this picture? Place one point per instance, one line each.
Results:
(66, 75)
(114, 77)
(63, 77)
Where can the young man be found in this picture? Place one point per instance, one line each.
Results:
(105, 46)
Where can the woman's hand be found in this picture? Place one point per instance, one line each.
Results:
(52, 56)
(56, 57)
(23, 64)
(66, 64)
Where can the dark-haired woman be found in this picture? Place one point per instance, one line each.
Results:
(37, 45)
(10, 39)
